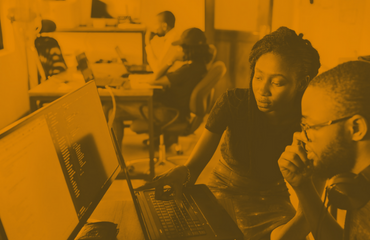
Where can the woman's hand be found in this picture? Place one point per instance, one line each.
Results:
(175, 178)
(293, 162)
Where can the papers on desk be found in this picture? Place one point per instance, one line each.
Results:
(68, 76)
(102, 70)
(140, 81)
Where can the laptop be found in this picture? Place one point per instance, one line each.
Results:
(101, 81)
(140, 69)
(202, 216)
(55, 166)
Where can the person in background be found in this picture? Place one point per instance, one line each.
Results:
(193, 50)
(158, 41)
(257, 124)
(335, 133)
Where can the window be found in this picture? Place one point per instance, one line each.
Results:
(1, 37)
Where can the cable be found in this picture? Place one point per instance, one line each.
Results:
(111, 116)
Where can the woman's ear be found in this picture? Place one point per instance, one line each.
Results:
(304, 83)
(164, 26)
(358, 127)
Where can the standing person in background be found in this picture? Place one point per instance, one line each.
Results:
(258, 124)
(158, 41)
(335, 133)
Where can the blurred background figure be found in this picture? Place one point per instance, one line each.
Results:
(159, 38)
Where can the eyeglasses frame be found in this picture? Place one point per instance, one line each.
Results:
(306, 127)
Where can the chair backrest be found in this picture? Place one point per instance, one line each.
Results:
(199, 101)
(213, 51)
(199, 98)
(50, 56)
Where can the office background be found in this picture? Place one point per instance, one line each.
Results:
(339, 29)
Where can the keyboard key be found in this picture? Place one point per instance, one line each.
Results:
(176, 222)
(188, 233)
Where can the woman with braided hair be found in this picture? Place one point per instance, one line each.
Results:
(258, 123)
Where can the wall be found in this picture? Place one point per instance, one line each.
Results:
(188, 13)
(234, 36)
(99, 46)
(240, 16)
(71, 13)
(13, 70)
(338, 29)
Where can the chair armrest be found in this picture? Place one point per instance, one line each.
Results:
(174, 110)
(177, 114)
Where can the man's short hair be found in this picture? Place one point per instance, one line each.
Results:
(168, 18)
(348, 84)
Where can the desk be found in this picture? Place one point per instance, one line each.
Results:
(58, 86)
(117, 206)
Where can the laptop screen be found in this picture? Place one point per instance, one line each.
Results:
(55, 166)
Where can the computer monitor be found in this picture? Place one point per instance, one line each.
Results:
(99, 9)
(55, 166)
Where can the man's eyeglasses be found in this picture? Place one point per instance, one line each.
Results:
(305, 127)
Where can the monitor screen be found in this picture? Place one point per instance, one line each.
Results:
(99, 9)
(55, 166)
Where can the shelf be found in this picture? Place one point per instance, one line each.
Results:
(120, 28)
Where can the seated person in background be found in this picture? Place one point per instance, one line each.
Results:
(178, 85)
(335, 133)
(258, 123)
(158, 41)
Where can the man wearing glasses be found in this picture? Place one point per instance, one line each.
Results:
(334, 144)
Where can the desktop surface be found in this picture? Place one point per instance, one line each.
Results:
(67, 81)
(117, 206)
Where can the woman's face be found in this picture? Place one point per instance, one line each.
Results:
(274, 84)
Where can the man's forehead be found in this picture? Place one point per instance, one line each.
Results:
(317, 104)
(160, 17)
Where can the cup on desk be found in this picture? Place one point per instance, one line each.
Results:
(111, 21)
(98, 23)
(127, 85)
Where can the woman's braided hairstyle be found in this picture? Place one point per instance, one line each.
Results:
(297, 52)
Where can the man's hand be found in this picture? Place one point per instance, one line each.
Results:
(149, 36)
(175, 178)
(293, 162)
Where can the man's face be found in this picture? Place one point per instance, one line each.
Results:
(330, 147)
(160, 26)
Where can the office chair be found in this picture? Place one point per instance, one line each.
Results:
(49, 52)
(200, 100)
(213, 51)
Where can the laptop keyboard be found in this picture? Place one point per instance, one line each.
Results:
(176, 222)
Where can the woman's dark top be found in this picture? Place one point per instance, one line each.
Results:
(230, 113)
(183, 82)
